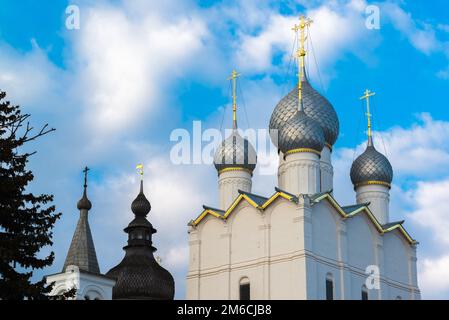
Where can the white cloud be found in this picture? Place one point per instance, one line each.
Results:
(431, 208)
(124, 63)
(29, 78)
(421, 36)
(434, 277)
(177, 256)
(336, 30)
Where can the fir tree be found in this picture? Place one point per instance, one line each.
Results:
(26, 220)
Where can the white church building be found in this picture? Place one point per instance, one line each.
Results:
(299, 242)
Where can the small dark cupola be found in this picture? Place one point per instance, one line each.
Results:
(139, 276)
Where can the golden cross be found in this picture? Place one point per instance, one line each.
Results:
(367, 94)
(301, 52)
(140, 168)
(233, 78)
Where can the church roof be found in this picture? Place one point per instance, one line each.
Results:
(257, 199)
(346, 211)
(352, 208)
(392, 224)
(82, 250)
(139, 275)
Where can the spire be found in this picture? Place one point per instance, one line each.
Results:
(233, 78)
(300, 54)
(367, 94)
(82, 250)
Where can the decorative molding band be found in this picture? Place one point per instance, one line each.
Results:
(299, 150)
(373, 182)
(329, 146)
(235, 169)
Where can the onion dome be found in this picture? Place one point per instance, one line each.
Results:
(235, 152)
(139, 275)
(371, 167)
(315, 105)
(301, 133)
(84, 203)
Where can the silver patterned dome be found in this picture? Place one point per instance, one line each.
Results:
(301, 132)
(235, 152)
(371, 167)
(315, 106)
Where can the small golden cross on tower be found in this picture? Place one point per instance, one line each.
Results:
(233, 78)
(301, 52)
(367, 94)
(140, 168)
(86, 169)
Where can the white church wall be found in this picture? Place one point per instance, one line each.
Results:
(396, 255)
(284, 230)
(246, 241)
(213, 244)
(324, 271)
(247, 250)
(324, 228)
(361, 235)
(88, 286)
(287, 261)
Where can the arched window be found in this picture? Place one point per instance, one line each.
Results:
(244, 289)
(364, 293)
(329, 287)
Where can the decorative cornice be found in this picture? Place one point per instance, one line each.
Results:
(301, 150)
(325, 196)
(329, 146)
(373, 182)
(235, 169)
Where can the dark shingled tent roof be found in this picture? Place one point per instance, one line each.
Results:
(82, 250)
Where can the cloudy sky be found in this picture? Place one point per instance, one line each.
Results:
(134, 71)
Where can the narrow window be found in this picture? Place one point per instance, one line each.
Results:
(245, 289)
(329, 287)
(364, 293)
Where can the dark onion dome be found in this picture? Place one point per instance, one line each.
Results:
(139, 275)
(301, 133)
(371, 167)
(84, 203)
(315, 105)
(235, 152)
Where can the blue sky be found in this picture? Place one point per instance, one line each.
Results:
(135, 70)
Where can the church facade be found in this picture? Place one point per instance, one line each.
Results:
(299, 242)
